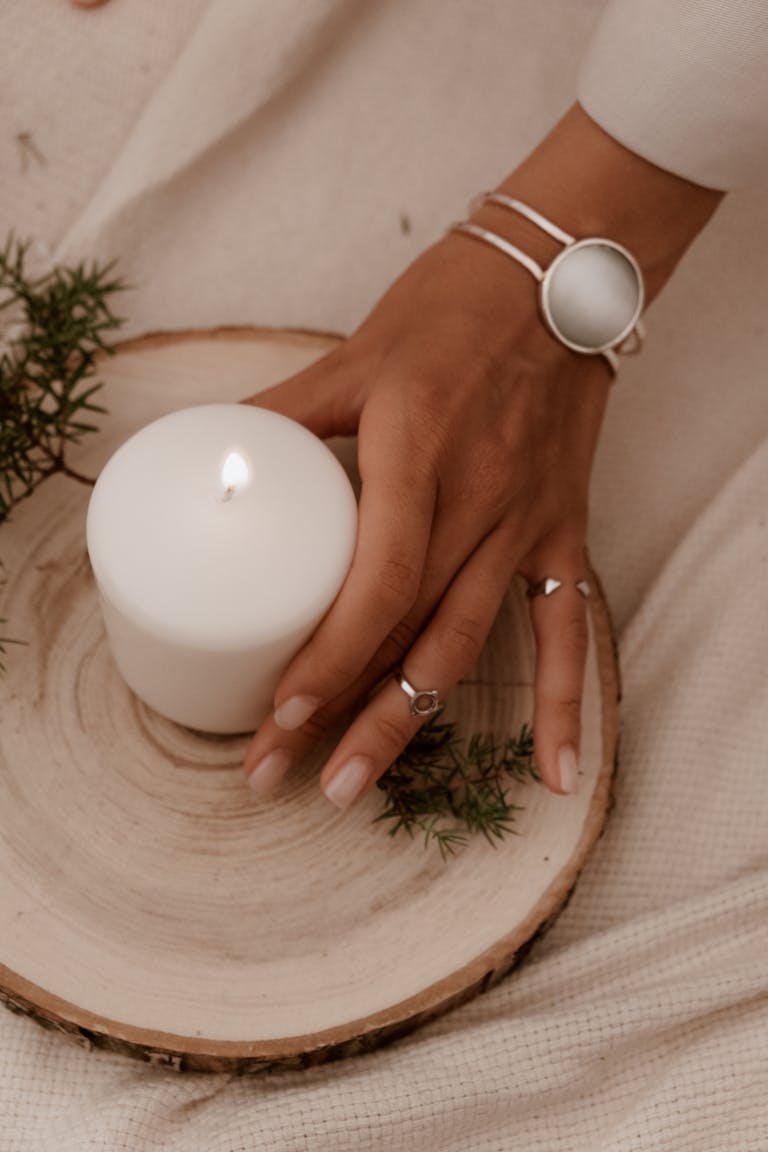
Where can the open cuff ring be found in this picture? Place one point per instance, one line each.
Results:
(550, 584)
(421, 701)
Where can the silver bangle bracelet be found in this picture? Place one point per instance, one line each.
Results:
(591, 296)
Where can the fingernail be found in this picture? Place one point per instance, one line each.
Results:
(269, 771)
(295, 711)
(568, 767)
(349, 781)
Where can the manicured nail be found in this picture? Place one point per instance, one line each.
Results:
(269, 771)
(295, 711)
(349, 781)
(568, 767)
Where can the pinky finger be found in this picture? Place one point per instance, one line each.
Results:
(561, 630)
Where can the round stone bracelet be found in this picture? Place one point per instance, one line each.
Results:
(591, 295)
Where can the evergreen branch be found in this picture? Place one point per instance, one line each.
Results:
(449, 789)
(54, 328)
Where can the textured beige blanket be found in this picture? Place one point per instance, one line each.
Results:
(278, 162)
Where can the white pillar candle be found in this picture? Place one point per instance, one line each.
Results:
(219, 536)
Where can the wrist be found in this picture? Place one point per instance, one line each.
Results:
(591, 185)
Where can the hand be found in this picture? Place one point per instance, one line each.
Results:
(476, 435)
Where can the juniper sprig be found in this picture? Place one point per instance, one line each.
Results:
(449, 788)
(52, 328)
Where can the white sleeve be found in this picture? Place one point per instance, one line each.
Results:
(684, 83)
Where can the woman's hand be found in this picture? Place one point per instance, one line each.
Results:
(476, 435)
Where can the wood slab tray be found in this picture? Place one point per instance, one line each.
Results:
(149, 904)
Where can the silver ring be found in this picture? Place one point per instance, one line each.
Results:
(550, 584)
(421, 701)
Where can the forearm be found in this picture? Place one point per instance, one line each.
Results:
(590, 184)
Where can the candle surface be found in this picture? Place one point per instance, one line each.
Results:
(219, 536)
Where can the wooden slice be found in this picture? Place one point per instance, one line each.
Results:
(150, 904)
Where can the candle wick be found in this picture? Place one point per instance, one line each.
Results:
(228, 494)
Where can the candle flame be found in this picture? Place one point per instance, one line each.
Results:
(234, 474)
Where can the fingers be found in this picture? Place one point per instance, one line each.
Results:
(560, 627)
(305, 717)
(439, 658)
(444, 652)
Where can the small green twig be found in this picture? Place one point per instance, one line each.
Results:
(448, 788)
(53, 327)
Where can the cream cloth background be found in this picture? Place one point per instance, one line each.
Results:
(280, 164)
(685, 84)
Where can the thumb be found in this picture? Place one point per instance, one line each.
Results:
(325, 397)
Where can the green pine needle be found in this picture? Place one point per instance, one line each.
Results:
(51, 331)
(449, 789)
(52, 328)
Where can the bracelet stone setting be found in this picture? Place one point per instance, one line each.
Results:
(592, 295)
